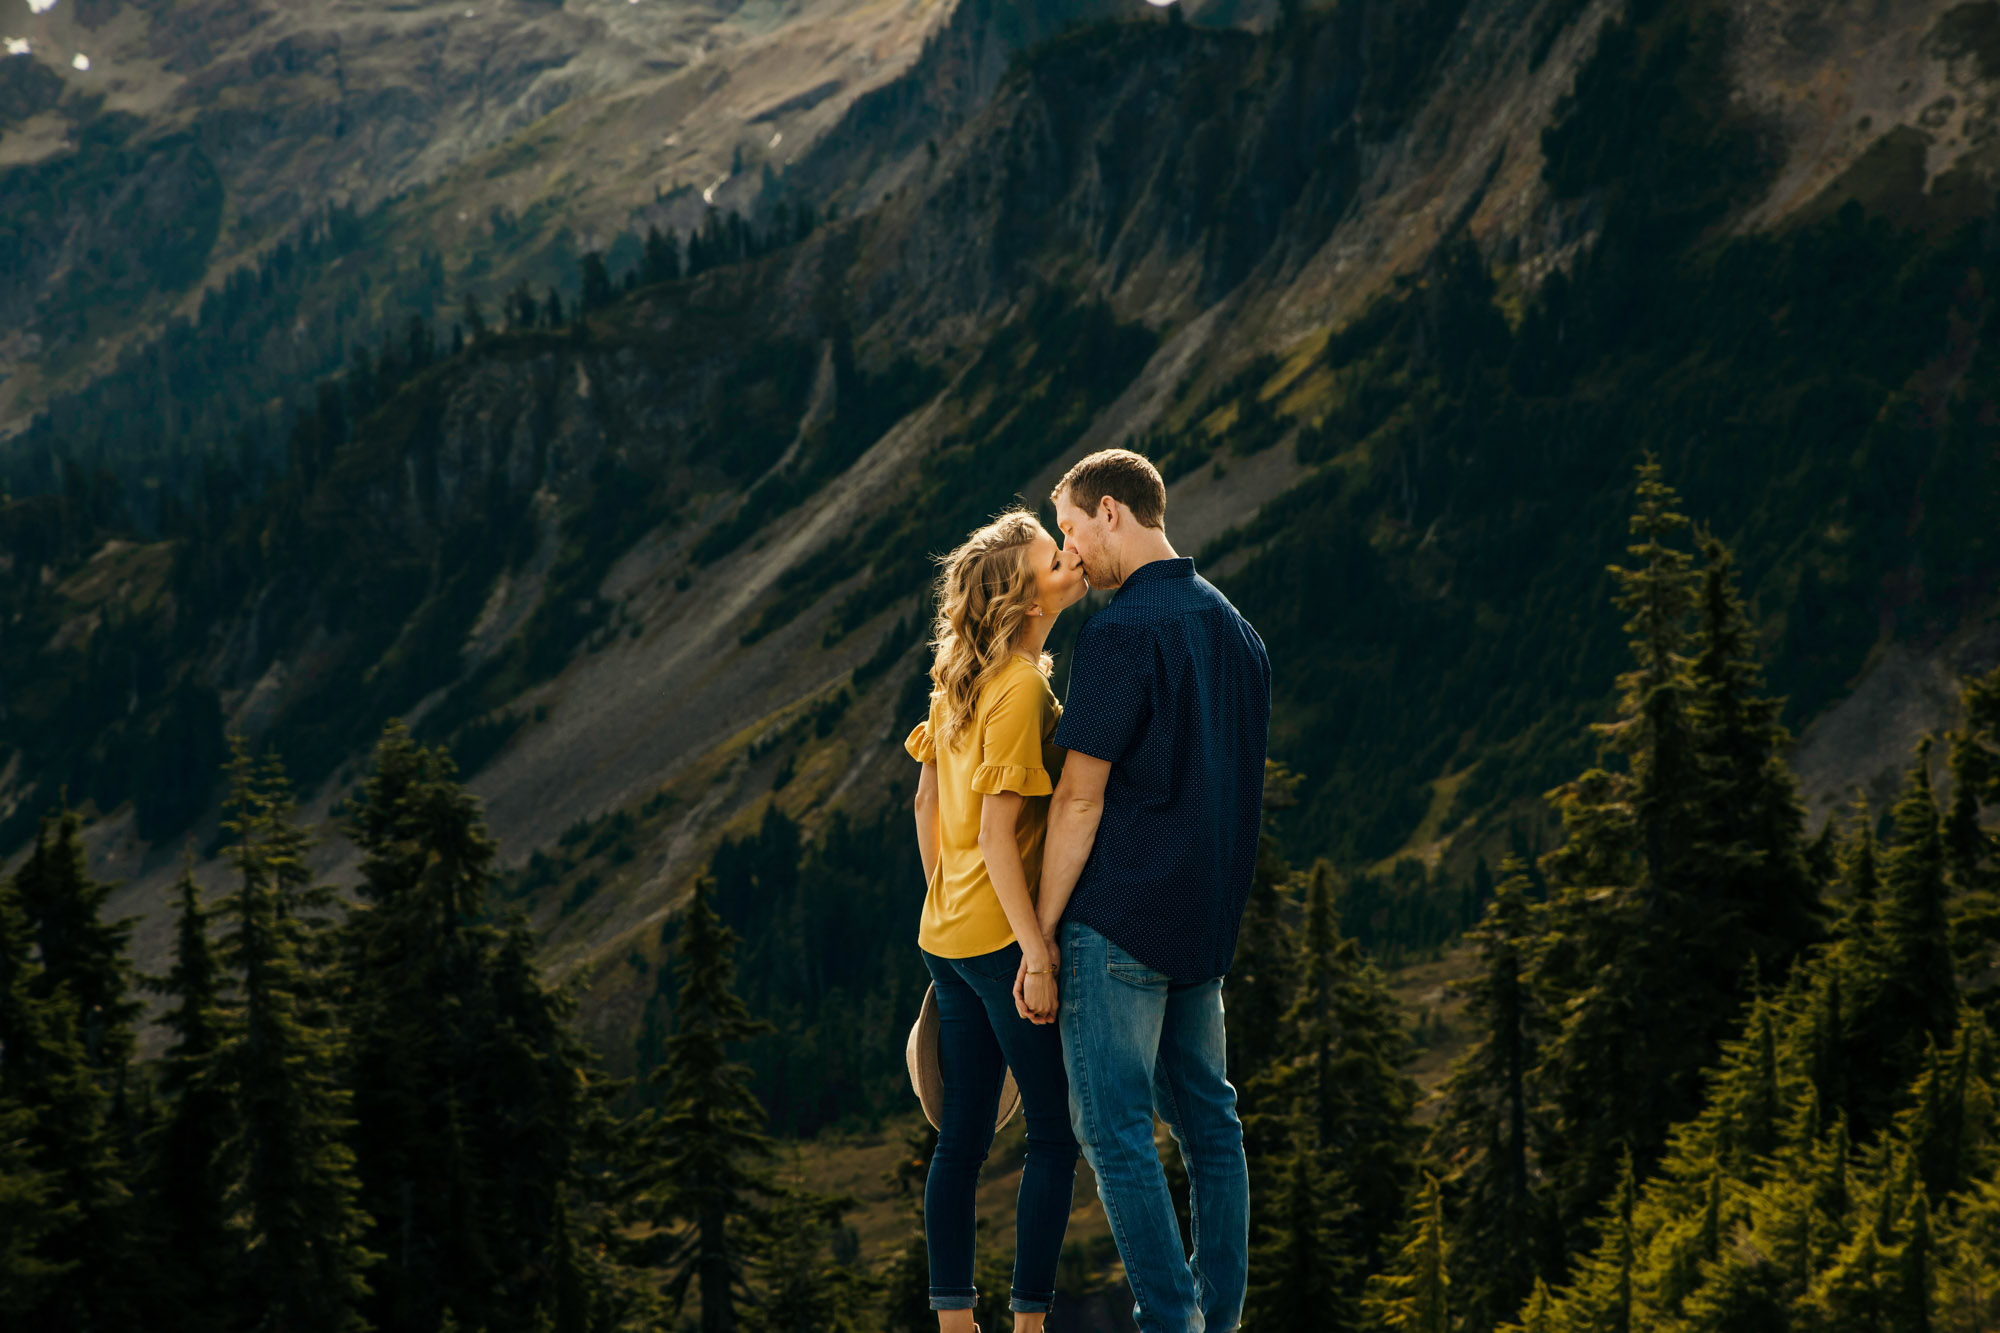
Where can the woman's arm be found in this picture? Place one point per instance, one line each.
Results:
(998, 814)
(927, 820)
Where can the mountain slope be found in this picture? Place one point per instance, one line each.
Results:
(1397, 295)
(237, 120)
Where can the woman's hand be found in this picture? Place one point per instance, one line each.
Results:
(1038, 996)
(1035, 991)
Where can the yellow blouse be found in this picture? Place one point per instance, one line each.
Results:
(1006, 747)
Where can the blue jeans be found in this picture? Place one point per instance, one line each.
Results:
(980, 1036)
(1137, 1042)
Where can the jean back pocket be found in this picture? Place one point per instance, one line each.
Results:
(1124, 967)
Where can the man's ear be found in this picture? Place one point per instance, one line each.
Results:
(1108, 509)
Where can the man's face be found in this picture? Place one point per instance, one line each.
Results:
(1085, 535)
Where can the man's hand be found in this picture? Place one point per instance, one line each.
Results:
(1035, 997)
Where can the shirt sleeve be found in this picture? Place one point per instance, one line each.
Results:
(1010, 742)
(919, 744)
(1108, 705)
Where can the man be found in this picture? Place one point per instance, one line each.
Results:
(1151, 840)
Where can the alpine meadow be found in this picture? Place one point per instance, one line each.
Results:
(473, 478)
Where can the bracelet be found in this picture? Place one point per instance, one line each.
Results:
(1040, 971)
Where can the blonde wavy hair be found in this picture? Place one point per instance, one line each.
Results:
(984, 590)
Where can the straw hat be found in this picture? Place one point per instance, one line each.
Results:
(922, 1055)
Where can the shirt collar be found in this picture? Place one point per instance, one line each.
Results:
(1179, 567)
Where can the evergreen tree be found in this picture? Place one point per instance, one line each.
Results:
(567, 1300)
(1614, 1073)
(1823, 1038)
(662, 257)
(81, 953)
(1762, 1216)
(520, 306)
(28, 1211)
(1857, 1293)
(1823, 853)
(64, 1044)
(1607, 1285)
(1260, 987)
(301, 1257)
(1749, 1094)
(1758, 891)
(595, 280)
(419, 344)
(40, 1078)
(905, 1293)
(813, 1284)
(1916, 929)
(1913, 1270)
(474, 319)
(1655, 731)
(1481, 1137)
(1536, 1316)
(1861, 882)
(1412, 1294)
(411, 989)
(186, 1186)
(1302, 1264)
(1951, 1125)
(701, 1188)
(459, 1061)
(1681, 875)
(538, 1105)
(1972, 854)
(80, 1264)
(1968, 1267)
(1831, 1197)
(906, 1289)
(1344, 1048)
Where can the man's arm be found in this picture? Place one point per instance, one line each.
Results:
(1073, 814)
(1074, 810)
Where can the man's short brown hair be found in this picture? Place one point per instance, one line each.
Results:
(1124, 476)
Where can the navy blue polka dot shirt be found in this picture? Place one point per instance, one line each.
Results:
(1172, 687)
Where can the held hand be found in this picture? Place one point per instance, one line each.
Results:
(1039, 997)
(1035, 995)
(1053, 962)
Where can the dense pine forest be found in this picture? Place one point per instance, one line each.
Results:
(1728, 1073)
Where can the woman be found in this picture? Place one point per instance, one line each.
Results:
(982, 808)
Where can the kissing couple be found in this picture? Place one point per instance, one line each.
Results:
(1086, 866)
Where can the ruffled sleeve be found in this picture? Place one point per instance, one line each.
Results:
(919, 744)
(991, 779)
(1010, 741)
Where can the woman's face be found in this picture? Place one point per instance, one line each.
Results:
(1058, 576)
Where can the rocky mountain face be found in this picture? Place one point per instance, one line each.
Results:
(152, 147)
(1396, 293)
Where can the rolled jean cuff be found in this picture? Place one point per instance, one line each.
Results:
(954, 1298)
(1033, 1302)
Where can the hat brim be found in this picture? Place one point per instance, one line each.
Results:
(921, 1054)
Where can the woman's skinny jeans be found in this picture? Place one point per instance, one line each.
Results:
(980, 1037)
